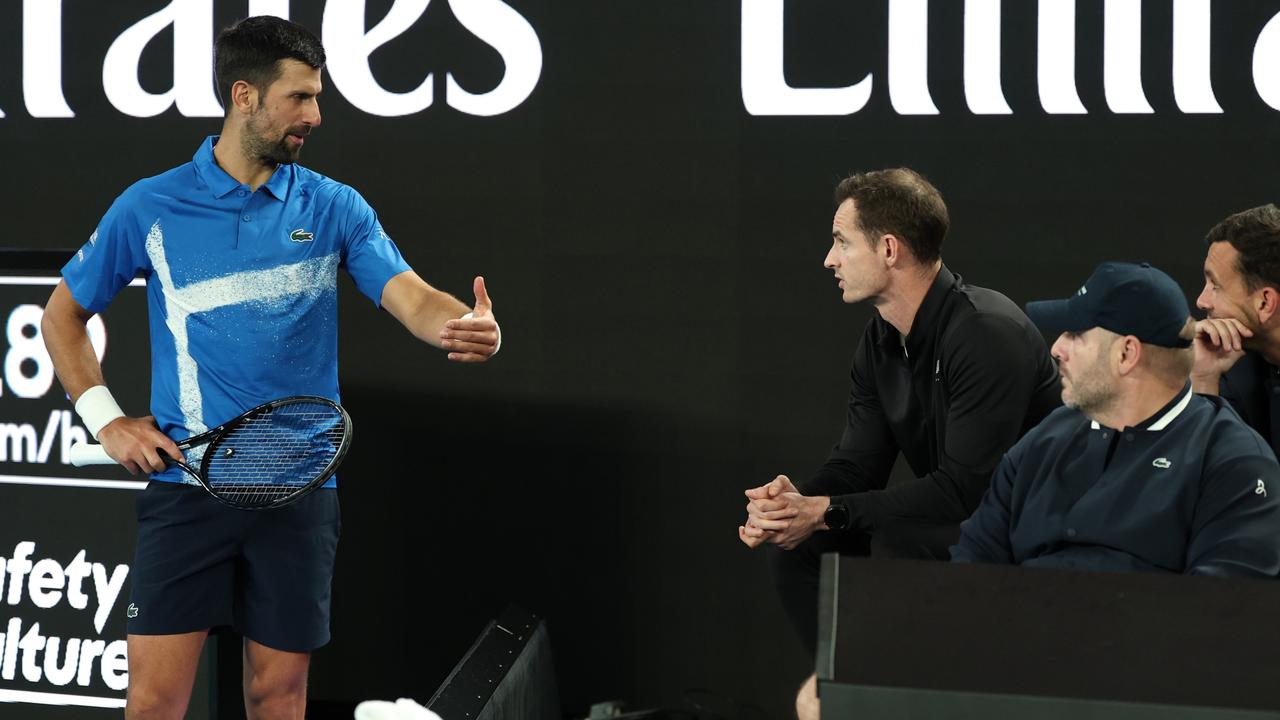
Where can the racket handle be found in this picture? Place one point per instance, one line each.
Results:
(85, 454)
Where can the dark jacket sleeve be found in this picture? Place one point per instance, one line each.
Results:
(990, 371)
(864, 457)
(1241, 388)
(984, 537)
(1236, 527)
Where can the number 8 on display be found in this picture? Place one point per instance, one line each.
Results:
(26, 349)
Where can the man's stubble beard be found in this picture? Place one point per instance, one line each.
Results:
(1090, 391)
(271, 153)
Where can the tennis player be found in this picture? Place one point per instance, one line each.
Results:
(241, 249)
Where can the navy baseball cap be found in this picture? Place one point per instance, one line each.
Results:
(1126, 299)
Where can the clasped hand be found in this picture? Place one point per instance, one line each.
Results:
(777, 513)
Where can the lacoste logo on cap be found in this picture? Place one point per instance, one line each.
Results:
(1083, 290)
(1261, 489)
(301, 236)
(1162, 463)
(132, 611)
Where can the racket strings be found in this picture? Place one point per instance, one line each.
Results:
(271, 455)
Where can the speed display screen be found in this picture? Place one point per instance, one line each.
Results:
(66, 533)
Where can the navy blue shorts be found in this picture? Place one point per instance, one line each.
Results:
(200, 564)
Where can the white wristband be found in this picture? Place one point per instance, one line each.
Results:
(498, 345)
(96, 408)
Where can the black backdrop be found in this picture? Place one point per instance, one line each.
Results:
(654, 254)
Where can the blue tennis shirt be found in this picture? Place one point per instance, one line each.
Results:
(241, 285)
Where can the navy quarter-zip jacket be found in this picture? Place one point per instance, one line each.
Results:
(1252, 386)
(1190, 490)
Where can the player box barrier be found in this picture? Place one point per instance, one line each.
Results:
(901, 639)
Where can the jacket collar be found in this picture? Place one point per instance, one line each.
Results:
(926, 318)
(1164, 416)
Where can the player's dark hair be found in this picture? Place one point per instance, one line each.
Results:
(251, 50)
(1255, 234)
(902, 203)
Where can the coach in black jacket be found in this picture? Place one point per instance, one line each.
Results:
(1136, 472)
(1238, 344)
(947, 374)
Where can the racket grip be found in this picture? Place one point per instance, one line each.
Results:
(82, 454)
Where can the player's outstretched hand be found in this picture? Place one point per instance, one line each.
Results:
(473, 339)
(136, 443)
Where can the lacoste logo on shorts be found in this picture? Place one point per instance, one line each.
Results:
(1261, 489)
(301, 236)
(132, 612)
(1162, 463)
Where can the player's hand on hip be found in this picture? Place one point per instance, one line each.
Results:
(137, 444)
(475, 338)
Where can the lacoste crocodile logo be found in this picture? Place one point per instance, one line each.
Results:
(132, 611)
(301, 236)
(1261, 489)
(1162, 463)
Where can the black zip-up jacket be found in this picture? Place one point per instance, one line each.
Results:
(973, 375)
(1186, 491)
(1252, 386)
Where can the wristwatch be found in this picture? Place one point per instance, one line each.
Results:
(837, 516)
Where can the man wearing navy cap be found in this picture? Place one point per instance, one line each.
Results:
(1136, 472)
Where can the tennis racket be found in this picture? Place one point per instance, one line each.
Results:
(269, 457)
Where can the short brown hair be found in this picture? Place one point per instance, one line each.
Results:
(1255, 234)
(898, 202)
